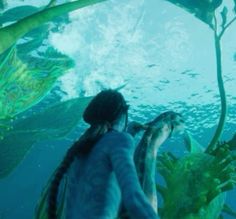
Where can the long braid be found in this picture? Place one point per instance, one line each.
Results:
(79, 148)
(103, 110)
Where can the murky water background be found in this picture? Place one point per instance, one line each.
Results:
(164, 55)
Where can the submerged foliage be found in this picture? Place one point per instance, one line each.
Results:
(205, 11)
(11, 33)
(52, 123)
(23, 84)
(28, 71)
(202, 9)
(25, 79)
(2, 4)
(200, 179)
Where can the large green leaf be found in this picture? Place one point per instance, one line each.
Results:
(235, 6)
(202, 9)
(227, 209)
(11, 33)
(23, 85)
(52, 123)
(232, 143)
(191, 144)
(193, 179)
(2, 5)
(17, 13)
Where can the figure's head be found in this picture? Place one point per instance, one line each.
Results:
(108, 106)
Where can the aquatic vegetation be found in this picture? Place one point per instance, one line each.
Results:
(206, 11)
(26, 78)
(195, 183)
(232, 143)
(54, 122)
(24, 84)
(2, 4)
(17, 13)
(11, 33)
(200, 179)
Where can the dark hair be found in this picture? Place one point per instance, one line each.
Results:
(101, 113)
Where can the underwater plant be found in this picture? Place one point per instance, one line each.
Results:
(205, 10)
(52, 123)
(25, 78)
(11, 33)
(23, 84)
(213, 167)
(27, 74)
(196, 183)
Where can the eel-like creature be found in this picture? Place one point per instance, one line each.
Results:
(11, 33)
(146, 154)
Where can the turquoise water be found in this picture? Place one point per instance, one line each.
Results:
(163, 54)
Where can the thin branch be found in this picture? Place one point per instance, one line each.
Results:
(215, 22)
(226, 27)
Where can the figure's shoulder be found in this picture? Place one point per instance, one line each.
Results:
(120, 139)
(125, 136)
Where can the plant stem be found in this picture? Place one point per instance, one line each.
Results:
(11, 33)
(223, 115)
(221, 123)
(225, 28)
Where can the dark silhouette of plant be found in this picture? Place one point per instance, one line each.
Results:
(205, 10)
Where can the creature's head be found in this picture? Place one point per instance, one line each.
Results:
(107, 107)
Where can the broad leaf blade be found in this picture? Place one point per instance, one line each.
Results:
(191, 144)
(203, 10)
(11, 33)
(52, 123)
(2, 4)
(17, 13)
(228, 210)
(24, 84)
(232, 143)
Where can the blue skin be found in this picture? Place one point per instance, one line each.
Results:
(99, 183)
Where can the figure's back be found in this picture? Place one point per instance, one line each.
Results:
(93, 191)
